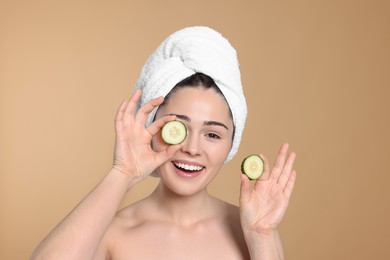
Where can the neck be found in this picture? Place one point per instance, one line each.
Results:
(182, 209)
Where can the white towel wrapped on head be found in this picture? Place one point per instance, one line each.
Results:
(191, 50)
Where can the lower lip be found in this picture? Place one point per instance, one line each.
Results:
(187, 175)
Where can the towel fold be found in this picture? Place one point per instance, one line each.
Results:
(191, 50)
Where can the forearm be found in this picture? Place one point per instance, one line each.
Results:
(78, 235)
(265, 246)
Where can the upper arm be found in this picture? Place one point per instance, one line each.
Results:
(103, 250)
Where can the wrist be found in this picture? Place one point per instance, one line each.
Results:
(260, 230)
(264, 245)
(263, 234)
(128, 180)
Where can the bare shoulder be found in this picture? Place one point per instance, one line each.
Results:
(230, 215)
(124, 221)
(224, 208)
(129, 217)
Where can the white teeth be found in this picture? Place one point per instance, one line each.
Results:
(189, 167)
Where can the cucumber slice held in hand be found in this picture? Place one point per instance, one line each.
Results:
(174, 132)
(252, 166)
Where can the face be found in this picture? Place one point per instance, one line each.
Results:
(209, 138)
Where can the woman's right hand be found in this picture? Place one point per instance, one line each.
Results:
(133, 154)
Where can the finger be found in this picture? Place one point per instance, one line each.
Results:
(120, 113)
(145, 110)
(131, 105)
(290, 184)
(287, 169)
(279, 162)
(265, 175)
(166, 154)
(156, 126)
(245, 189)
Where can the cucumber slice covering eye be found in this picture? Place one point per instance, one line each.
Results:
(174, 132)
(252, 166)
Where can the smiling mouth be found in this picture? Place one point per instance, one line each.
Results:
(188, 168)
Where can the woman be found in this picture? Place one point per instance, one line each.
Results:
(179, 220)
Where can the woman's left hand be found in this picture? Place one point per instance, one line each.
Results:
(263, 207)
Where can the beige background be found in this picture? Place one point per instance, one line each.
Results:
(316, 74)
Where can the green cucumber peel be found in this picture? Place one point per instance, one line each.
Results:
(252, 166)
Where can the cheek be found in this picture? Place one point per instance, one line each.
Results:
(220, 152)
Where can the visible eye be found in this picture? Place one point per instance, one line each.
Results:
(213, 136)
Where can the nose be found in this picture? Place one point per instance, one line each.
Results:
(191, 145)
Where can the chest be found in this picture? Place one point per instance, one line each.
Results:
(165, 242)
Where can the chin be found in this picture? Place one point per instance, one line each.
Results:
(184, 183)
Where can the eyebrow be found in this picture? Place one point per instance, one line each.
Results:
(186, 118)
